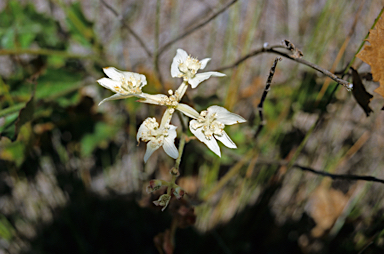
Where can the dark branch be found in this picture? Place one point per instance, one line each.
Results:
(344, 176)
(266, 90)
(125, 25)
(253, 53)
(323, 173)
(193, 29)
(271, 49)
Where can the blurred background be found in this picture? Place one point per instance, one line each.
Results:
(72, 177)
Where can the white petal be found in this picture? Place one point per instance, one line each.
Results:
(153, 99)
(180, 57)
(115, 97)
(187, 110)
(143, 80)
(172, 134)
(226, 140)
(212, 144)
(197, 132)
(224, 116)
(170, 148)
(109, 84)
(113, 73)
(150, 150)
(143, 128)
(139, 77)
(204, 62)
(200, 77)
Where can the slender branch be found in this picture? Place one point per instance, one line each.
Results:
(157, 32)
(341, 176)
(271, 49)
(342, 82)
(326, 174)
(193, 29)
(266, 90)
(125, 25)
(253, 53)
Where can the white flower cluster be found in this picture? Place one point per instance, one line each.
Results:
(206, 126)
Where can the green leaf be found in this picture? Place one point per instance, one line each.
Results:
(100, 138)
(12, 127)
(6, 229)
(8, 39)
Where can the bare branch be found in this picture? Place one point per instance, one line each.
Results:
(266, 90)
(342, 176)
(253, 53)
(271, 49)
(125, 25)
(193, 29)
(326, 174)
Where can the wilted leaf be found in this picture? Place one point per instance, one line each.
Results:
(361, 95)
(325, 206)
(374, 54)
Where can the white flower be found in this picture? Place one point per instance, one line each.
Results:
(209, 126)
(164, 136)
(186, 67)
(170, 101)
(124, 83)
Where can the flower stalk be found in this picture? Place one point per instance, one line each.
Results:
(207, 126)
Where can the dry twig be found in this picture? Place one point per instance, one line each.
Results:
(266, 90)
(272, 49)
(193, 29)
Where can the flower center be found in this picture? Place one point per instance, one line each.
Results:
(154, 133)
(189, 67)
(171, 101)
(209, 124)
(129, 85)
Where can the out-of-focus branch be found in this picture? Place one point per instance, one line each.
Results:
(326, 174)
(193, 29)
(272, 49)
(266, 90)
(125, 25)
(342, 176)
(252, 54)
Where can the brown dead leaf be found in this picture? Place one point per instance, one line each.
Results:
(374, 54)
(325, 206)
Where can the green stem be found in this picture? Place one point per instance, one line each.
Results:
(181, 90)
(181, 149)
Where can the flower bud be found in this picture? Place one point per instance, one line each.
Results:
(178, 192)
(154, 185)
